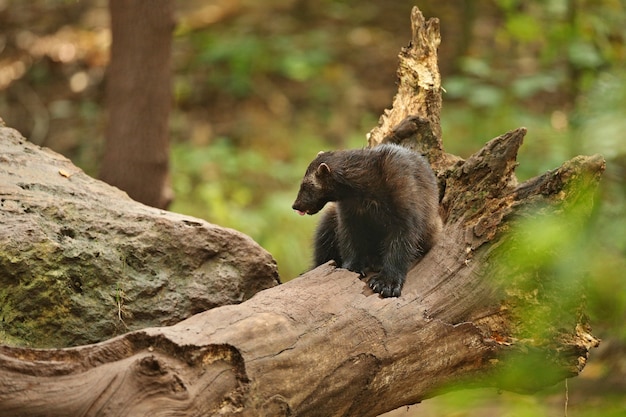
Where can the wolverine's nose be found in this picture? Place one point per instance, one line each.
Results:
(300, 212)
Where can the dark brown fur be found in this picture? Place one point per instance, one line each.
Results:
(385, 215)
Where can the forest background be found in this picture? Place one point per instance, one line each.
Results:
(261, 87)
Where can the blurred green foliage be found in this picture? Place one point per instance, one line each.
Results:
(244, 190)
(484, 402)
(237, 57)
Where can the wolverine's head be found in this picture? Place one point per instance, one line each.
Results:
(315, 189)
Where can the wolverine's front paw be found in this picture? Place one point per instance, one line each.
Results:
(386, 286)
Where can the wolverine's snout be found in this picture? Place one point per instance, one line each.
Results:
(299, 209)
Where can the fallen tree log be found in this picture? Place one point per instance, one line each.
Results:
(323, 344)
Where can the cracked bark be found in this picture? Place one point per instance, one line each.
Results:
(323, 343)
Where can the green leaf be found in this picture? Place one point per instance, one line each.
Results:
(524, 28)
(584, 55)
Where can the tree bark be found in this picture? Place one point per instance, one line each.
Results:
(138, 92)
(323, 343)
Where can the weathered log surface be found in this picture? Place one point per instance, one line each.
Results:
(81, 262)
(323, 344)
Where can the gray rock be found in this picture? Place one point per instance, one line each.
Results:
(81, 262)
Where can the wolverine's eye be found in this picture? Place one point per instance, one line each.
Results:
(309, 186)
(314, 182)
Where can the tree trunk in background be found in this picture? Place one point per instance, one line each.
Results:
(139, 100)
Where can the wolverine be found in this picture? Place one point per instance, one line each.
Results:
(384, 216)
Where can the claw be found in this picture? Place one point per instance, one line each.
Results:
(382, 286)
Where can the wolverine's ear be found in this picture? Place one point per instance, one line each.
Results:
(323, 169)
(319, 153)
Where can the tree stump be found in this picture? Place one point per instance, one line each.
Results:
(324, 343)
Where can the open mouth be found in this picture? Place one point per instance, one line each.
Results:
(302, 213)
